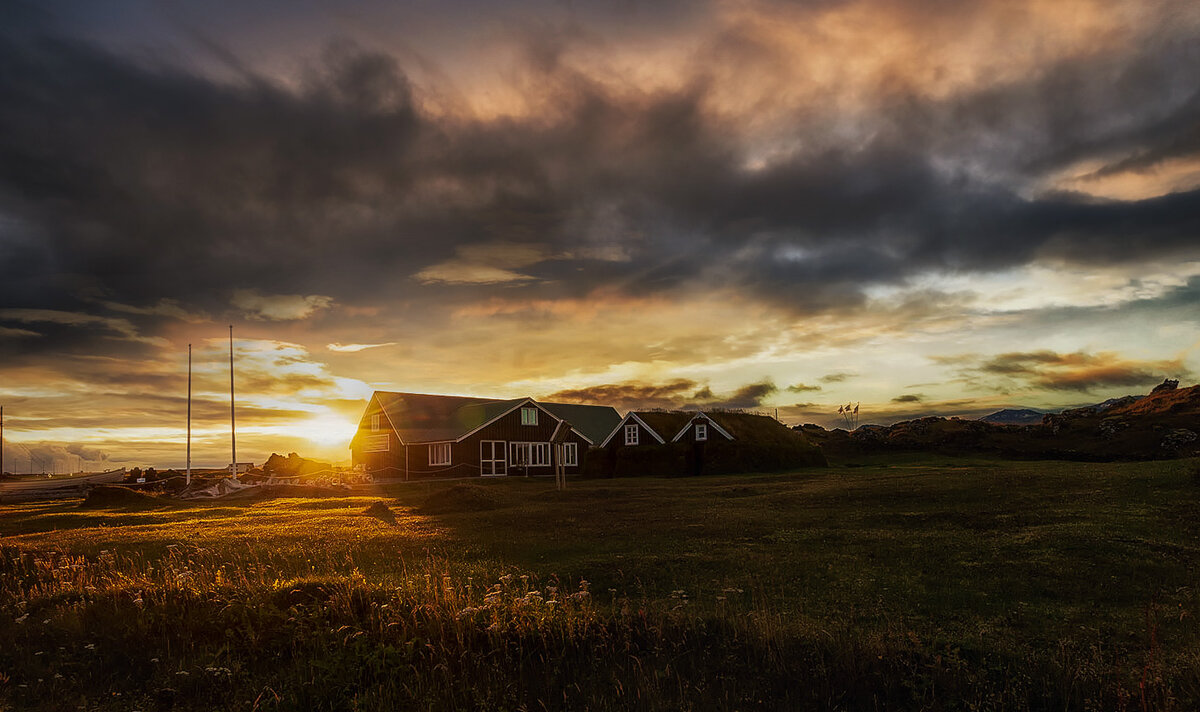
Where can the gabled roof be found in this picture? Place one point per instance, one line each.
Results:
(659, 423)
(593, 422)
(666, 422)
(705, 416)
(422, 417)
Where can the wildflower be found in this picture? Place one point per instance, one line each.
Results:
(90, 646)
(46, 622)
(22, 618)
(38, 653)
(58, 676)
(183, 673)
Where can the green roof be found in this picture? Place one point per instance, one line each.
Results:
(423, 417)
(595, 422)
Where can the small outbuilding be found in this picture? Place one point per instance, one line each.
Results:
(673, 443)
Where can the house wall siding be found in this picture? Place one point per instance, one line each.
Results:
(465, 460)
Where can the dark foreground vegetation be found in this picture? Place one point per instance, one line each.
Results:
(935, 585)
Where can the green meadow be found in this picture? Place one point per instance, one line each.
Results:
(941, 584)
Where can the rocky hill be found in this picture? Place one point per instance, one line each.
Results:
(1163, 424)
(1014, 416)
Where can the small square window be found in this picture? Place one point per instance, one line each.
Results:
(529, 416)
(701, 431)
(631, 434)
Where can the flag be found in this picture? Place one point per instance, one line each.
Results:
(856, 408)
(840, 410)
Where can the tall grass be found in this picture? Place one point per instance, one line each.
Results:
(240, 628)
(1035, 586)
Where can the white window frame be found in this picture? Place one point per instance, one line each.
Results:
(529, 416)
(570, 454)
(529, 454)
(497, 465)
(631, 434)
(701, 432)
(376, 422)
(441, 453)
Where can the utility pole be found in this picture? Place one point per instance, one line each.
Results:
(1, 439)
(232, 425)
(189, 419)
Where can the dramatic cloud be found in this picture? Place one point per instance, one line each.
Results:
(675, 395)
(278, 307)
(696, 195)
(1080, 371)
(909, 398)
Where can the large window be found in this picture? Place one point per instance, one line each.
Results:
(529, 454)
(439, 454)
(570, 454)
(375, 422)
(701, 431)
(376, 443)
(529, 416)
(631, 434)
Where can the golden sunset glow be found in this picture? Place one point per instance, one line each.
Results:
(740, 203)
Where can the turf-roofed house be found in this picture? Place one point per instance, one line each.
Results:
(417, 435)
(694, 443)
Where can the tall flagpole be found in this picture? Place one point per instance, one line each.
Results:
(189, 424)
(232, 425)
(1, 439)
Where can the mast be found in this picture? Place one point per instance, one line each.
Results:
(189, 419)
(232, 424)
(1, 439)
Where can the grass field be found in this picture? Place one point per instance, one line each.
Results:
(944, 584)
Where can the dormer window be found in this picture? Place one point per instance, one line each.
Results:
(631, 434)
(375, 425)
(529, 416)
(701, 431)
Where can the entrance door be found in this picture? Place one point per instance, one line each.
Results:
(492, 458)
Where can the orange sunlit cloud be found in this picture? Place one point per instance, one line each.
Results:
(752, 202)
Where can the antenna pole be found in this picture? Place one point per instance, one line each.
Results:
(189, 419)
(232, 424)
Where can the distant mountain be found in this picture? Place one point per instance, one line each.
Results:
(1014, 416)
(1111, 402)
(1163, 424)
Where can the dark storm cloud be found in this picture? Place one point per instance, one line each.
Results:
(1077, 371)
(909, 398)
(748, 396)
(632, 396)
(673, 395)
(134, 181)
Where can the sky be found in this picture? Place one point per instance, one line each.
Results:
(923, 206)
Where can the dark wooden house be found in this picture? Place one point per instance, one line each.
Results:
(694, 442)
(416, 435)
